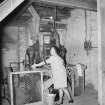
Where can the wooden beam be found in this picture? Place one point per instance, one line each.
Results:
(72, 3)
(7, 7)
(22, 9)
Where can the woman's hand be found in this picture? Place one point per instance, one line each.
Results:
(37, 65)
(33, 66)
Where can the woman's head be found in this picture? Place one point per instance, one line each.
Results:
(54, 50)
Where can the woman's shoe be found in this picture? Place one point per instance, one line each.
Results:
(71, 101)
(57, 104)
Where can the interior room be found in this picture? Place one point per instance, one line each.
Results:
(29, 28)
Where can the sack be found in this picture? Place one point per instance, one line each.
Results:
(56, 92)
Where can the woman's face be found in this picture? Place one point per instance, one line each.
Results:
(52, 51)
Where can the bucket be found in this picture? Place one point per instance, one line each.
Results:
(50, 99)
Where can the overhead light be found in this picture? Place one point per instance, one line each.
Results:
(51, 17)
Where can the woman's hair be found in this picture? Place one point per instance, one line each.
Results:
(56, 49)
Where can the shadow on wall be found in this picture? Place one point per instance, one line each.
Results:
(91, 89)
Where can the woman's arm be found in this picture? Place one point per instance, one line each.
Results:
(38, 65)
(41, 63)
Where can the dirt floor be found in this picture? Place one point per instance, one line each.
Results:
(87, 98)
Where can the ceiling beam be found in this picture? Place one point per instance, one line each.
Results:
(22, 9)
(72, 3)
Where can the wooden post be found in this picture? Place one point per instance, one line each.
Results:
(100, 35)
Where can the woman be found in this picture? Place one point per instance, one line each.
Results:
(59, 72)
